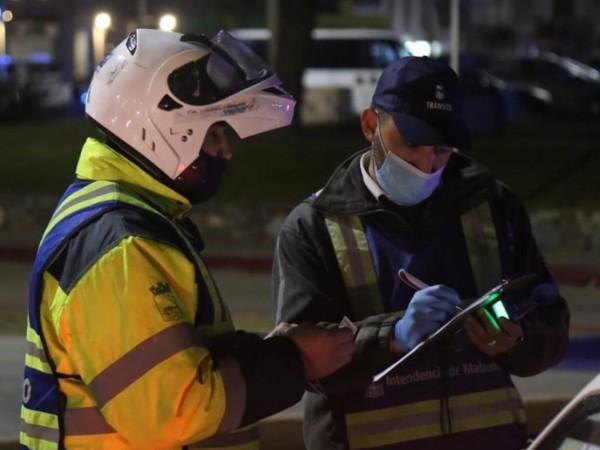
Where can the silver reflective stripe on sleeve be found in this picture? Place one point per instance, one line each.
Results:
(138, 361)
(235, 394)
(81, 421)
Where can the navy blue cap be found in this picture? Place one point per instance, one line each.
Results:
(424, 98)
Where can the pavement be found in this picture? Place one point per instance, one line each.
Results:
(245, 284)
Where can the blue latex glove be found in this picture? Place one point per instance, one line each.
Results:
(428, 310)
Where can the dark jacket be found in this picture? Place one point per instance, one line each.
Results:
(308, 285)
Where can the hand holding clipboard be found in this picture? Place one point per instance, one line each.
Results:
(486, 300)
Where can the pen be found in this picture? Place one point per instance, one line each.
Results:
(413, 282)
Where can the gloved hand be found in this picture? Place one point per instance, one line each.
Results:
(428, 310)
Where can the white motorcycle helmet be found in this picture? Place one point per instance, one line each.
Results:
(158, 92)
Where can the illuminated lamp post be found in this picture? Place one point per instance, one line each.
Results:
(6, 16)
(101, 24)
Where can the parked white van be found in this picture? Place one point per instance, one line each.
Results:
(343, 68)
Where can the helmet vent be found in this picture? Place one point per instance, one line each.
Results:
(275, 90)
(153, 146)
(168, 104)
(131, 43)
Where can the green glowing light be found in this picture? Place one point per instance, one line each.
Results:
(493, 297)
(499, 310)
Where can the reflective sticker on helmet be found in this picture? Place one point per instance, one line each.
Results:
(225, 110)
(112, 68)
(131, 42)
(232, 109)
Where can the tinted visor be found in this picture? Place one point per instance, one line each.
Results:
(229, 68)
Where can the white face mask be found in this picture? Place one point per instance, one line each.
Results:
(402, 182)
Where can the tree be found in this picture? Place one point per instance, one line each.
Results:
(295, 20)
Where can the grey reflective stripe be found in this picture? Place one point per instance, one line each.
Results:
(422, 420)
(353, 256)
(40, 432)
(237, 438)
(142, 358)
(482, 246)
(406, 422)
(82, 421)
(81, 198)
(36, 352)
(235, 394)
(354, 259)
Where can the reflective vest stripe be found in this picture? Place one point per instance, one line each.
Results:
(421, 420)
(235, 394)
(40, 426)
(36, 357)
(142, 358)
(29, 442)
(89, 420)
(482, 246)
(230, 441)
(88, 192)
(354, 259)
(94, 194)
(81, 421)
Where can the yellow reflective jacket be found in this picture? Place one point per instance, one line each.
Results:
(129, 343)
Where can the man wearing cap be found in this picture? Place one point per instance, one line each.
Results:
(413, 201)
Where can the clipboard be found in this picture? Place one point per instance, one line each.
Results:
(505, 287)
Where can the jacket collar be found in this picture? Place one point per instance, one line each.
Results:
(464, 182)
(98, 162)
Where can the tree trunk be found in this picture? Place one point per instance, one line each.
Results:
(292, 34)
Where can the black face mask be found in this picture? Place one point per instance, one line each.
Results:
(211, 169)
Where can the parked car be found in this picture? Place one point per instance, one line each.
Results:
(547, 82)
(43, 86)
(33, 86)
(11, 105)
(576, 426)
(343, 68)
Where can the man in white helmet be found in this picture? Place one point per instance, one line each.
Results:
(130, 344)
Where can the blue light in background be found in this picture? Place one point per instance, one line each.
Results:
(83, 97)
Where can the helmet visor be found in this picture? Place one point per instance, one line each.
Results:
(230, 67)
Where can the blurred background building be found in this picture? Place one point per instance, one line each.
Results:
(49, 48)
(69, 32)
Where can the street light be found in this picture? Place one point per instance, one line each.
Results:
(167, 22)
(101, 24)
(102, 21)
(6, 16)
